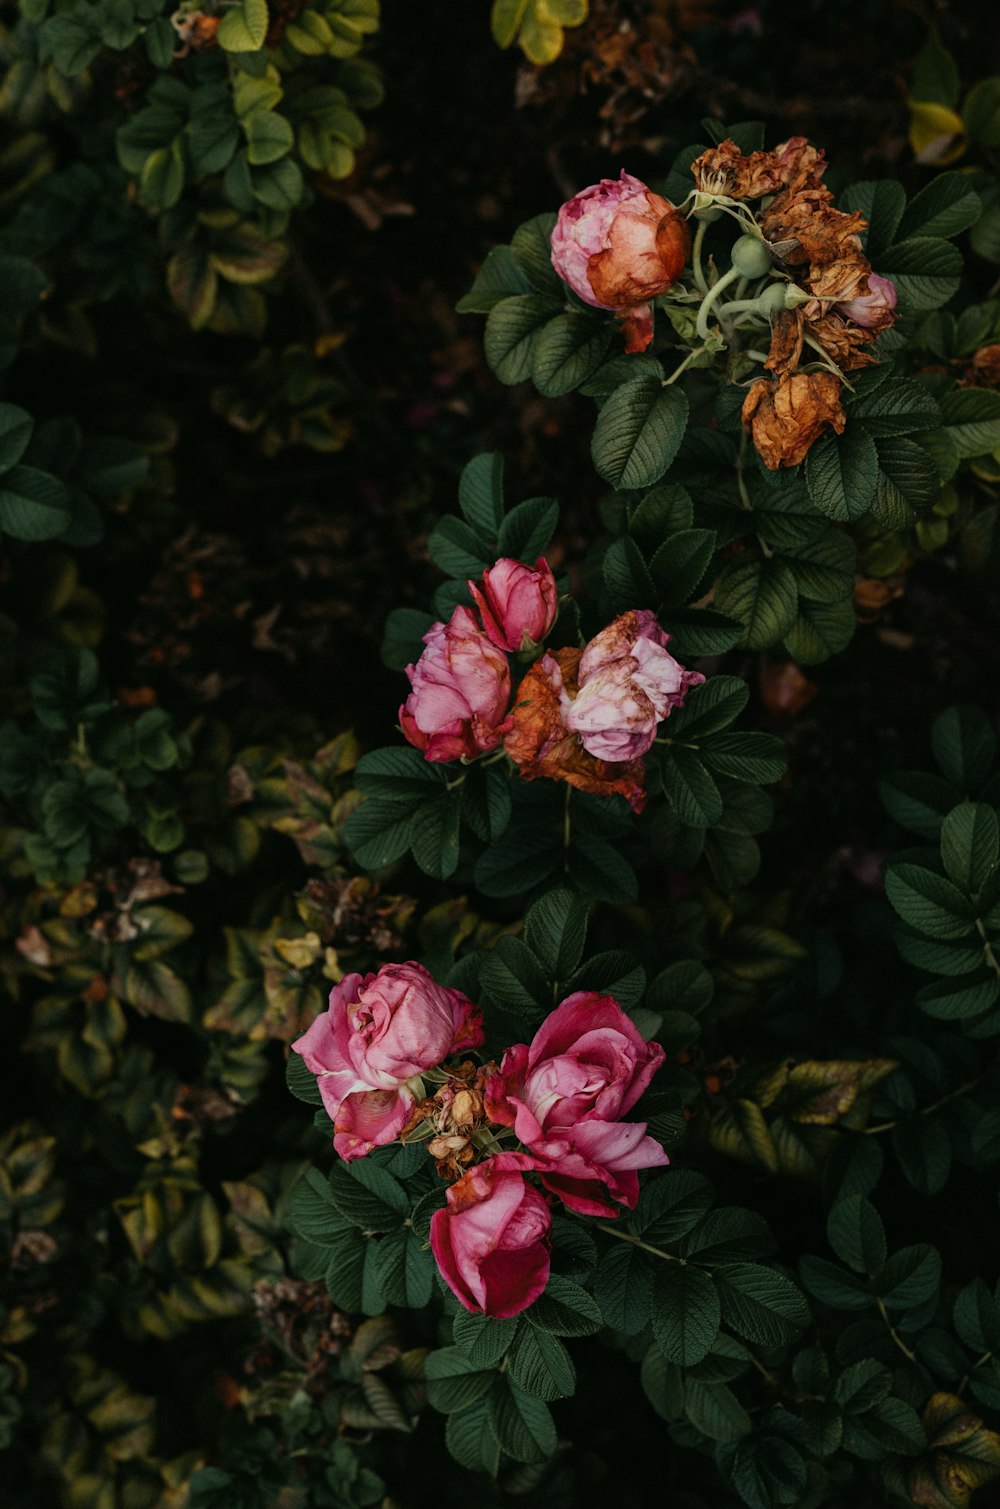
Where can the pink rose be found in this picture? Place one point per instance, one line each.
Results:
(490, 1240)
(370, 1047)
(517, 603)
(586, 1067)
(628, 683)
(618, 245)
(461, 692)
(874, 309)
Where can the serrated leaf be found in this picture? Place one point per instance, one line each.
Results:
(638, 432)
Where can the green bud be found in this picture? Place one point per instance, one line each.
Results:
(750, 257)
(772, 300)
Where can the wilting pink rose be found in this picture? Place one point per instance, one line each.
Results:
(628, 683)
(618, 245)
(461, 692)
(490, 1240)
(874, 309)
(586, 1067)
(517, 603)
(369, 1048)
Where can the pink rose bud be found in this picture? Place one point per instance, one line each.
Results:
(874, 309)
(628, 683)
(618, 245)
(490, 1240)
(565, 1094)
(517, 603)
(369, 1048)
(461, 692)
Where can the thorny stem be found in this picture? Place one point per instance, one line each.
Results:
(710, 298)
(901, 1344)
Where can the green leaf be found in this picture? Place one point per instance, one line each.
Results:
(368, 1196)
(480, 494)
(555, 929)
(714, 1410)
(680, 564)
(965, 746)
(882, 203)
(833, 1286)
(527, 529)
(15, 432)
(686, 1313)
(512, 330)
(981, 112)
(269, 137)
(523, 1426)
(458, 549)
(689, 788)
(911, 1277)
(944, 207)
(483, 1338)
(515, 864)
(513, 978)
(623, 1288)
(626, 575)
(565, 1309)
(896, 406)
(761, 594)
(568, 350)
(856, 1234)
(756, 758)
(970, 845)
(841, 474)
(403, 637)
(404, 1270)
(925, 271)
(761, 1304)
(928, 902)
(638, 432)
(600, 870)
(820, 630)
(434, 835)
(671, 1206)
(33, 505)
(471, 1439)
(685, 986)
(531, 247)
(498, 278)
(541, 1365)
(951, 1001)
(454, 1381)
(243, 29)
(918, 800)
(935, 78)
(710, 707)
(971, 417)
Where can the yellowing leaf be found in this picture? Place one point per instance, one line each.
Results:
(937, 134)
(536, 24)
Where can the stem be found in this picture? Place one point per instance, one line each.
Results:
(744, 494)
(988, 953)
(626, 1236)
(901, 1344)
(698, 351)
(699, 240)
(566, 827)
(450, 785)
(970, 1084)
(710, 298)
(733, 305)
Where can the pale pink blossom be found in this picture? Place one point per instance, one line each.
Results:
(379, 1034)
(461, 692)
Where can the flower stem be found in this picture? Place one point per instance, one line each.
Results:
(710, 298)
(699, 240)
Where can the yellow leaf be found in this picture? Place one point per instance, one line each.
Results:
(937, 134)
